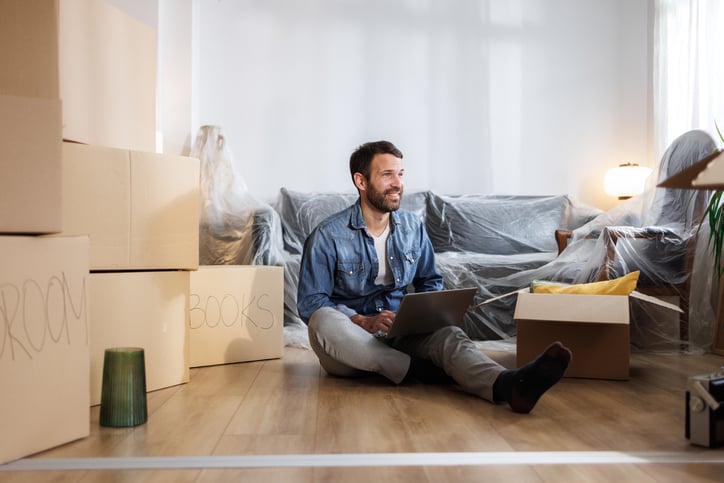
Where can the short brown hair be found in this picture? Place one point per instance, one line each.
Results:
(361, 158)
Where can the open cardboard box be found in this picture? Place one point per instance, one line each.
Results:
(594, 327)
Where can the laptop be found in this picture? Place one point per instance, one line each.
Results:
(425, 312)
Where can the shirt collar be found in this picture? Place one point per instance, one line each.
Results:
(357, 221)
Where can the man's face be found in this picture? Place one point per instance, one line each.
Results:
(385, 185)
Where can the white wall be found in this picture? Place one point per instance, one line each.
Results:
(175, 76)
(491, 96)
(144, 10)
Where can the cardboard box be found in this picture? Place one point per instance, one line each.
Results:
(29, 45)
(44, 343)
(109, 90)
(236, 314)
(141, 309)
(100, 61)
(30, 162)
(141, 210)
(594, 327)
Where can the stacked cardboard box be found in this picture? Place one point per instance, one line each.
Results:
(98, 234)
(44, 319)
(141, 211)
(99, 61)
(44, 343)
(96, 239)
(30, 121)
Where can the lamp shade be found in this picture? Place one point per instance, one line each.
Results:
(626, 180)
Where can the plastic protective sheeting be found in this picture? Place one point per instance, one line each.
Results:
(658, 233)
(488, 241)
(500, 244)
(466, 232)
(232, 222)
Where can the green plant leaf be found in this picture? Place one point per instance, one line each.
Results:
(714, 215)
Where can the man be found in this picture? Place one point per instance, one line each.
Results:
(355, 269)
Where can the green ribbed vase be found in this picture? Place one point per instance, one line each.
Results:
(123, 394)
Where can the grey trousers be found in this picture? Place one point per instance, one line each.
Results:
(346, 349)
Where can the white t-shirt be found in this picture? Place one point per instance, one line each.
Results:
(384, 275)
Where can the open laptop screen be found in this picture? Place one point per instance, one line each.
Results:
(426, 312)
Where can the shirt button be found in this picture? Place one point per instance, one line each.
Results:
(398, 279)
(351, 272)
(392, 258)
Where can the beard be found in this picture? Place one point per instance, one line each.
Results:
(379, 200)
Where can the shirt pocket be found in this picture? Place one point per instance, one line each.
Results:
(350, 277)
(409, 264)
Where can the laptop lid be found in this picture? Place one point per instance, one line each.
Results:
(425, 312)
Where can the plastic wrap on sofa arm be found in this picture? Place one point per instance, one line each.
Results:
(266, 232)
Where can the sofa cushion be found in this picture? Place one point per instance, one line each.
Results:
(618, 286)
(416, 202)
(302, 212)
(502, 225)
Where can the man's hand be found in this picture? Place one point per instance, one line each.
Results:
(375, 323)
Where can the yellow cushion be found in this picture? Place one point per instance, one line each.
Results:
(618, 286)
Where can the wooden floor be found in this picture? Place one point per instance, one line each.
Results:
(291, 407)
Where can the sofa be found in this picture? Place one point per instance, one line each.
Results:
(482, 241)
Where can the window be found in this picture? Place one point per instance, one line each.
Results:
(688, 68)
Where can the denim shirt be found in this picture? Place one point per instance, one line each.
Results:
(339, 264)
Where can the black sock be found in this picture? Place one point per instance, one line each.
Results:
(503, 386)
(426, 372)
(521, 388)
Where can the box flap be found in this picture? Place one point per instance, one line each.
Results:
(499, 297)
(705, 174)
(656, 301)
(602, 309)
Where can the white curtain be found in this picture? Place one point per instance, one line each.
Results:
(688, 68)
